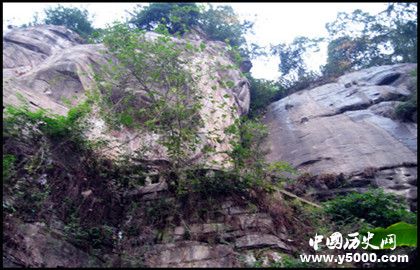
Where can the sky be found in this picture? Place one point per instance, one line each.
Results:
(274, 23)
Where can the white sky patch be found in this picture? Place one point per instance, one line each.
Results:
(274, 23)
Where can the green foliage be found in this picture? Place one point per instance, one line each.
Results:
(249, 172)
(212, 184)
(28, 136)
(292, 56)
(343, 53)
(17, 119)
(386, 38)
(281, 169)
(352, 53)
(220, 23)
(8, 166)
(30, 200)
(295, 73)
(73, 18)
(236, 55)
(158, 211)
(405, 110)
(177, 17)
(251, 134)
(248, 156)
(96, 36)
(406, 235)
(88, 237)
(375, 206)
(172, 112)
(173, 102)
(355, 40)
(263, 92)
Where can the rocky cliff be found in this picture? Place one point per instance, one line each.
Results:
(69, 207)
(43, 67)
(349, 127)
(48, 65)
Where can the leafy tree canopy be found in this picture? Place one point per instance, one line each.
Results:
(292, 55)
(356, 40)
(222, 23)
(218, 23)
(177, 17)
(360, 40)
(73, 18)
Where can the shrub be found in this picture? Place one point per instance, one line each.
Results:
(171, 102)
(88, 237)
(263, 92)
(30, 200)
(158, 211)
(8, 164)
(27, 138)
(376, 207)
(405, 110)
(18, 118)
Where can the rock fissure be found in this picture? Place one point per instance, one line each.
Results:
(25, 45)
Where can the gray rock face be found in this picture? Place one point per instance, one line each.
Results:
(30, 46)
(46, 65)
(219, 241)
(191, 254)
(33, 245)
(348, 126)
(260, 240)
(49, 66)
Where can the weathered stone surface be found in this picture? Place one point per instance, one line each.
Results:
(48, 64)
(234, 210)
(158, 187)
(33, 245)
(223, 262)
(251, 241)
(262, 221)
(196, 242)
(201, 228)
(28, 47)
(338, 129)
(190, 253)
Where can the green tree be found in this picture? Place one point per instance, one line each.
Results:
(346, 53)
(220, 23)
(170, 104)
(177, 17)
(355, 40)
(292, 60)
(73, 18)
(263, 92)
(374, 206)
(360, 40)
